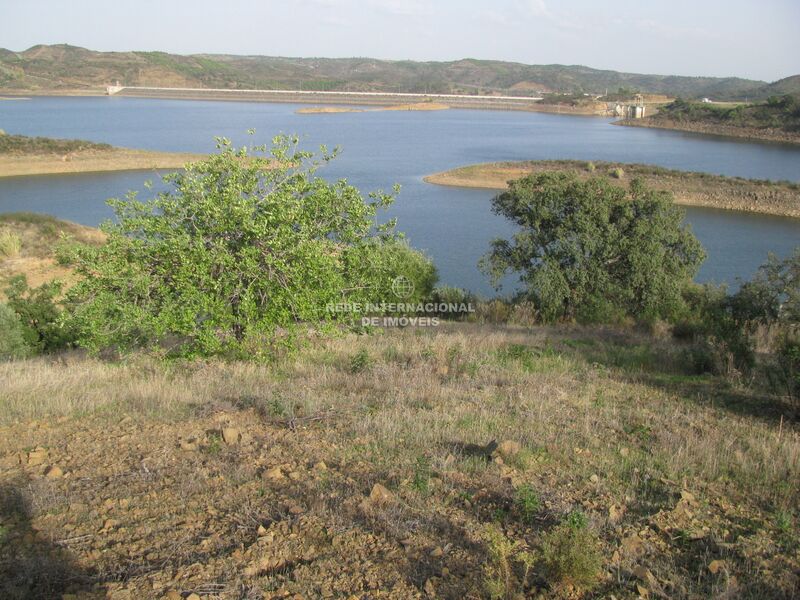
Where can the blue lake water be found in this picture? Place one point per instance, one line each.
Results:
(379, 149)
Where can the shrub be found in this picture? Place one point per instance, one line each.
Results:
(590, 166)
(527, 502)
(10, 244)
(591, 250)
(247, 247)
(720, 340)
(571, 555)
(360, 361)
(788, 367)
(617, 173)
(508, 566)
(40, 315)
(12, 335)
(495, 311)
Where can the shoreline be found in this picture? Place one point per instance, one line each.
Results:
(388, 99)
(726, 131)
(92, 161)
(689, 188)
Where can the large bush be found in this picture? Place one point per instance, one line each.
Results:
(593, 251)
(246, 245)
(40, 315)
(12, 337)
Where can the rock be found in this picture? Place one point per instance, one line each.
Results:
(262, 531)
(189, 445)
(231, 435)
(37, 457)
(193, 596)
(507, 449)
(615, 513)
(380, 495)
(632, 546)
(430, 588)
(110, 523)
(172, 595)
(436, 552)
(320, 466)
(594, 478)
(642, 591)
(53, 472)
(274, 473)
(715, 566)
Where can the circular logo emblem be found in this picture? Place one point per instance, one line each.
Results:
(402, 287)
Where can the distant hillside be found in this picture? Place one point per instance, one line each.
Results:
(777, 119)
(64, 67)
(779, 113)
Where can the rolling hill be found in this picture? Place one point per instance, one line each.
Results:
(63, 67)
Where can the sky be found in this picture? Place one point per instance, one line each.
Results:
(752, 39)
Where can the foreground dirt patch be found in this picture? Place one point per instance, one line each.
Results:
(323, 476)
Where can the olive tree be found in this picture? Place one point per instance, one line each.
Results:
(593, 251)
(246, 245)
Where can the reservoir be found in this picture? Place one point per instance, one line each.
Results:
(378, 149)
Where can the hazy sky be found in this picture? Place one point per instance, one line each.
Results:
(755, 39)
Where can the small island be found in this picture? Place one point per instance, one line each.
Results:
(416, 106)
(23, 155)
(781, 198)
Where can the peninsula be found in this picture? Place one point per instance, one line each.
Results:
(780, 198)
(23, 155)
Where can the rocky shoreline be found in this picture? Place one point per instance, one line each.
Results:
(747, 133)
(689, 188)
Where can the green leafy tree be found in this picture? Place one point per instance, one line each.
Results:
(12, 335)
(246, 245)
(594, 251)
(40, 315)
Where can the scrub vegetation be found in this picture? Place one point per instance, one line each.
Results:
(182, 417)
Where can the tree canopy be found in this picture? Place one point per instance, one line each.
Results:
(593, 251)
(244, 247)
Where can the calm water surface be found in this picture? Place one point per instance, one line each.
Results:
(382, 148)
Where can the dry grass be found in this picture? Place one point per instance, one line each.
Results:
(698, 471)
(87, 161)
(38, 236)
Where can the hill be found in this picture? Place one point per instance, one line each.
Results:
(62, 67)
(777, 119)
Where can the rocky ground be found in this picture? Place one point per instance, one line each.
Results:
(374, 466)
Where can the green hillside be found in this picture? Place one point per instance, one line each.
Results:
(63, 67)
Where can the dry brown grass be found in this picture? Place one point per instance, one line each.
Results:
(39, 235)
(695, 469)
(87, 161)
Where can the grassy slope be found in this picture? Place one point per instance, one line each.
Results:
(62, 66)
(673, 471)
(39, 235)
(693, 189)
(23, 155)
